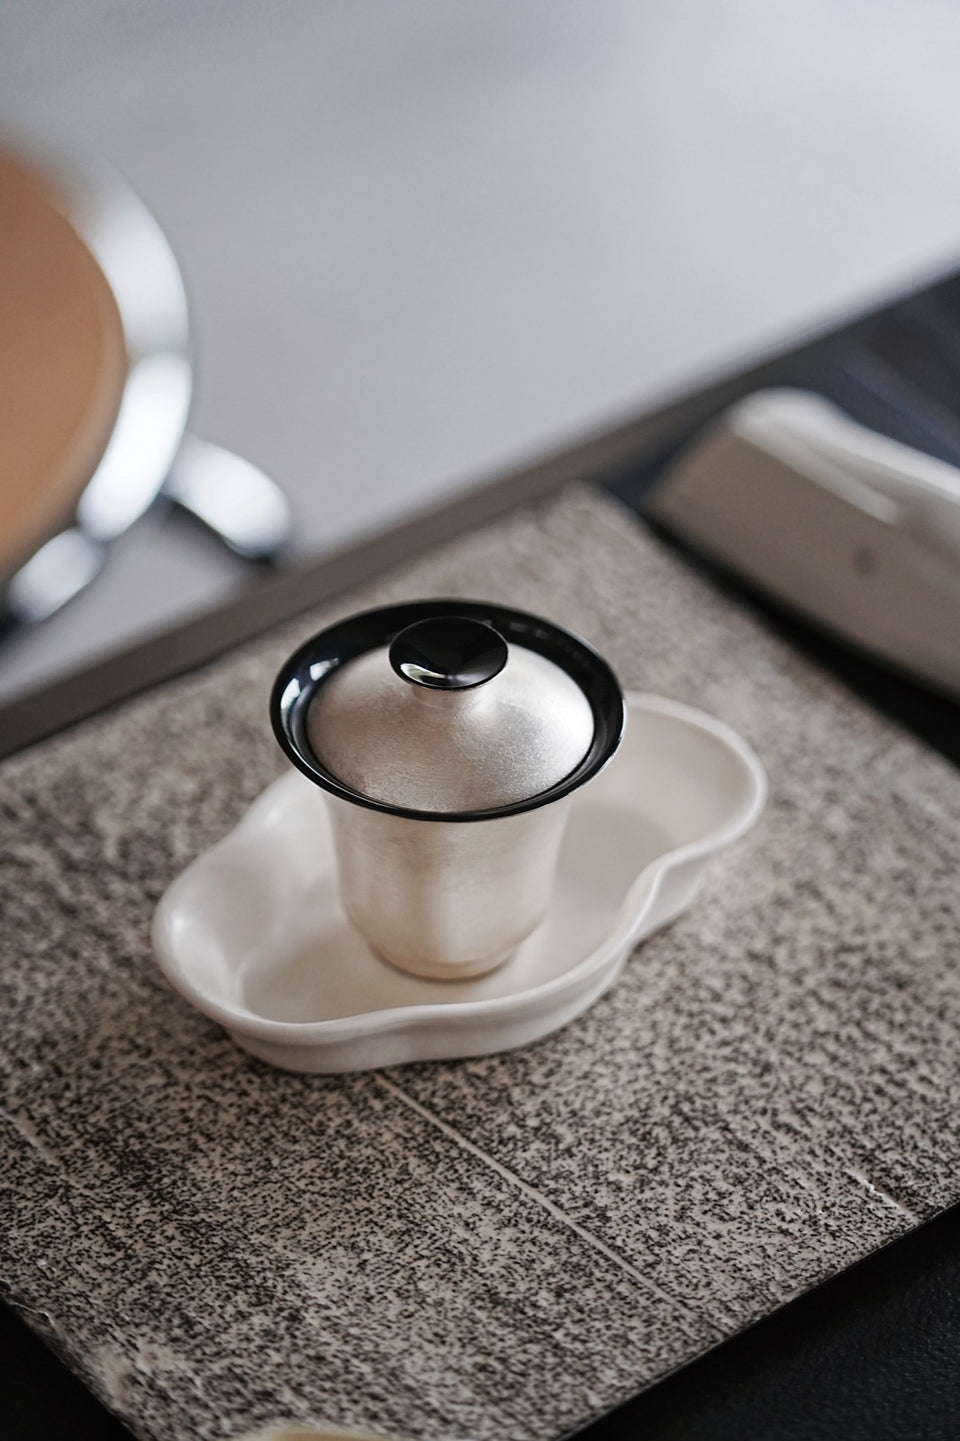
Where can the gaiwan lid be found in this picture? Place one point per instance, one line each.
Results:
(447, 710)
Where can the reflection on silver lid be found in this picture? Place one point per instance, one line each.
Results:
(471, 748)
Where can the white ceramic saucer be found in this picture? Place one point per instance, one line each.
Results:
(253, 935)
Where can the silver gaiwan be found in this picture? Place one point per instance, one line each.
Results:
(449, 737)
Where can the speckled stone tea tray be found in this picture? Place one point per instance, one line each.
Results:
(502, 1246)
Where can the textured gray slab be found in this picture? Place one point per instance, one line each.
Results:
(500, 1246)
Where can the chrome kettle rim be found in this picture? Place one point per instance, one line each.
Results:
(141, 271)
(307, 668)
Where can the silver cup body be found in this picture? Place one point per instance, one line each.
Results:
(449, 737)
(446, 899)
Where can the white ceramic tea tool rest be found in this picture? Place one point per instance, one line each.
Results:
(254, 936)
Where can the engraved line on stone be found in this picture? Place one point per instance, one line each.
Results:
(536, 1196)
(882, 1194)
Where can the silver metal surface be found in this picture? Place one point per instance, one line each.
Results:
(140, 268)
(437, 898)
(243, 507)
(407, 745)
(57, 572)
(446, 900)
(148, 450)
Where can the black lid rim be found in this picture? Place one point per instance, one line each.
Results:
(303, 671)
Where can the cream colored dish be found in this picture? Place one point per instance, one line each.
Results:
(253, 933)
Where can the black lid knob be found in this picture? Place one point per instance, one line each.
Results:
(448, 652)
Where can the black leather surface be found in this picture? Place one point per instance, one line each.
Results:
(40, 1400)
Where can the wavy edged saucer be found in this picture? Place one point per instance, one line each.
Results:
(253, 935)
